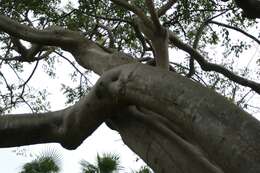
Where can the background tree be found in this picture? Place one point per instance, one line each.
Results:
(47, 162)
(107, 163)
(144, 169)
(173, 120)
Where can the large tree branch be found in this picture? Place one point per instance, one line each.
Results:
(86, 53)
(207, 66)
(54, 36)
(25, 129)
(69, 126)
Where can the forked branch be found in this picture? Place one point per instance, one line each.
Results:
(152, 29)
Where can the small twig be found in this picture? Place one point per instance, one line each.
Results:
(64, 16)
(24, 101)
(15, 72)
(29, 78)
(243, 98)
(8, 87)
(73, 65)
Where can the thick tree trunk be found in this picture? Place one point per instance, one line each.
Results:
(193, 125)
(173, 123)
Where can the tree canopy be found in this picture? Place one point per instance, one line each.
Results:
(171, 114)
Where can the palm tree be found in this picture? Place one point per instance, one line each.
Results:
(143, 169)
(47, 162)
(107, 163)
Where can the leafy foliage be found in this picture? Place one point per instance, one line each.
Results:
(114, 27)
(144, 169)
(107, 163)
(47, 162)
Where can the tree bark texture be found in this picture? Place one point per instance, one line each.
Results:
(171, 122)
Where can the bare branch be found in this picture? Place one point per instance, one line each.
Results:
(207, 66)
(29, 78)
(166, 7)
(195, 46)
(9, 87)
(197, 39)
(73, 65)
(26, 102)
(236, 29)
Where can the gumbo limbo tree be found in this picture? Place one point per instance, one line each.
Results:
(168, 111)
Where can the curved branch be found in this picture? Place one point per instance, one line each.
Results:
(207, 66)
(29, 78)
(236, 29)
(69, 126)
(197, 39)
(195, 46)
(54, 36)
(86, 53)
